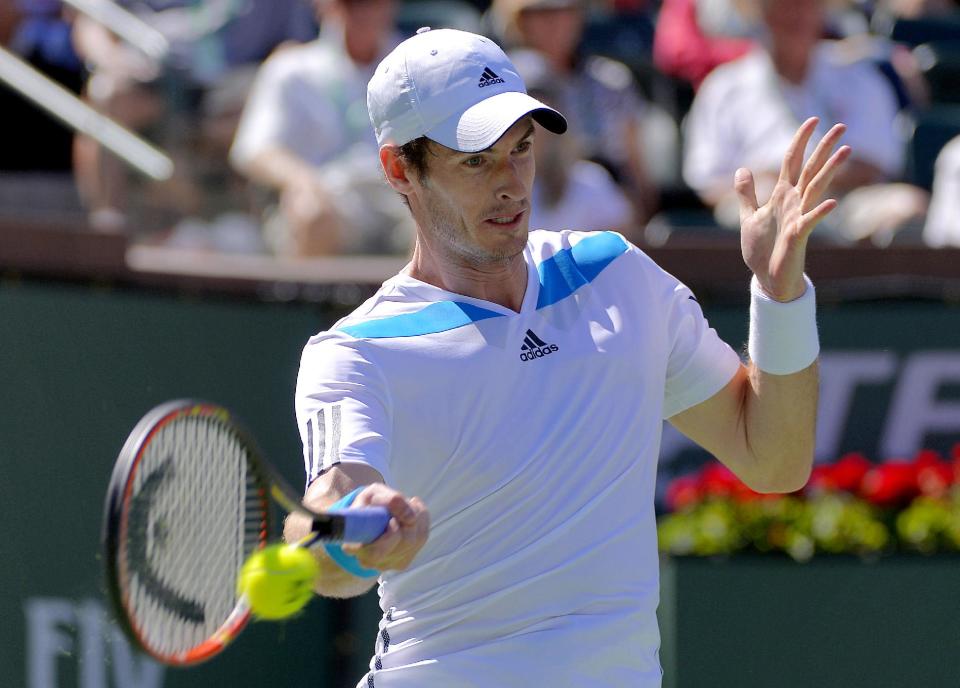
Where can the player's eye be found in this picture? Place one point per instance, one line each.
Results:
(475, 161)
(524, 146)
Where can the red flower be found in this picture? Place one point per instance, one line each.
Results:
(934, 475)
(742, 493)
(716, 480)
(926, 457)
(849, 471)
(890, 483)
(821, 478)
(955, 460)
(846, 474)
(683, 492)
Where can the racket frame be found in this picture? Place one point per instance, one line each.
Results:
(325, 527)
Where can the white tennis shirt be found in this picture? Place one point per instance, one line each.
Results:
(533, 439)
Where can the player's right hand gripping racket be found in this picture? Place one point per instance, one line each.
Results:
(188, 502)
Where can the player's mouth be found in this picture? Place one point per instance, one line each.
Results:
(505, 221)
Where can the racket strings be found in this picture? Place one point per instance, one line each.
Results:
(196, 512)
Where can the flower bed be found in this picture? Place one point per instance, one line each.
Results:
(852, 506)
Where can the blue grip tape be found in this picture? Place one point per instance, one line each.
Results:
(364, 524)
(348, 562)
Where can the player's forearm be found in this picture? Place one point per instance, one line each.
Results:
(779, 428)
(333, 581)
(340, 480)
(779, 408)
(762, 423)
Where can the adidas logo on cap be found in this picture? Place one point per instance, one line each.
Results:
(489, 78)
(534, 347)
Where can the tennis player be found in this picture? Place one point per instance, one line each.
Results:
(515, 382)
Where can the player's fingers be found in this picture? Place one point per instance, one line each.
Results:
(395, 551)
(419, 508)
(398, 505)
(418, 525)
(366, 496)
(746, 193)
(400, 544)
(405, 535)
(374, 494)
(378, 494)
(821, 182)
(372, 554)
(403, 510)
(820, 155)
(421, 525)
(811, 219)
(793, 159)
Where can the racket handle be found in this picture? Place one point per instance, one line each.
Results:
(363, 524)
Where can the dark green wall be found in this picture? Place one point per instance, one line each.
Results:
(80, 365)
(767, 622)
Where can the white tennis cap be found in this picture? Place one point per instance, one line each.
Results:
(453, 87)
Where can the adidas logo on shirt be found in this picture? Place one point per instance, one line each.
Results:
(489, 78)
(534, 347)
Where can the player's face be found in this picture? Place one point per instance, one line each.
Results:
(474, 208)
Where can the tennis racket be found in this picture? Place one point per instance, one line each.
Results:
(188, 502)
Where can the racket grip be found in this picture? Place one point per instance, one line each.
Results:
(363, 524)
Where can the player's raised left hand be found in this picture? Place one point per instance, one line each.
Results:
(774, 236)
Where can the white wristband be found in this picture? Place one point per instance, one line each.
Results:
(783, 336)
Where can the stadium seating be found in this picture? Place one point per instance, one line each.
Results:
(438, 14)
(933, 128)
(916, 31)
(940, 63)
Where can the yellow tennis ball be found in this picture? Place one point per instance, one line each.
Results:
(278, 580)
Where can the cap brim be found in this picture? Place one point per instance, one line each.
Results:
(481, 125)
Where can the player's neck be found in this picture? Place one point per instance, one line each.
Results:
(501, 282)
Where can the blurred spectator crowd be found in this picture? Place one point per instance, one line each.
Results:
(261, 106)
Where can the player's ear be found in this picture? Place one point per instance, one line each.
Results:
(394, 168)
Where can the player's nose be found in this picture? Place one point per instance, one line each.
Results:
(512, 183)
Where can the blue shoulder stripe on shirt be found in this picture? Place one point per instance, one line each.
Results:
(568, 270)
(437, 317)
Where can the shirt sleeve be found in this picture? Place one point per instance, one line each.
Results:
(343, 408)
(699, 363)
